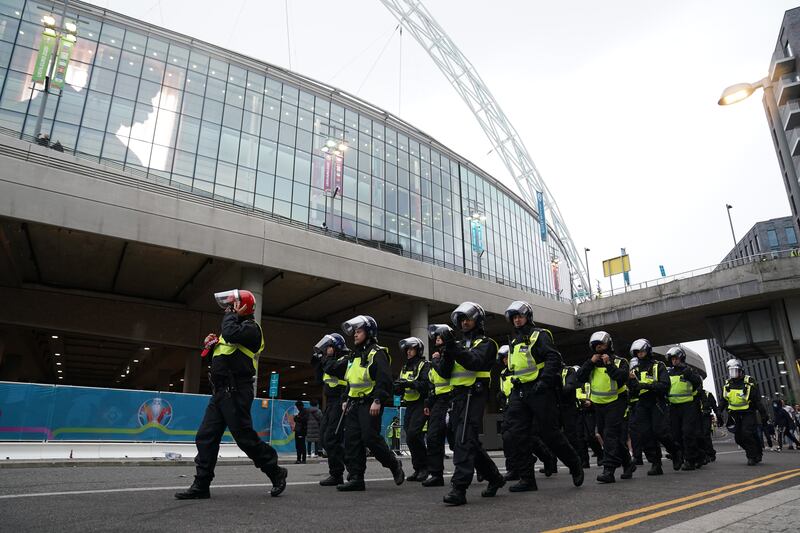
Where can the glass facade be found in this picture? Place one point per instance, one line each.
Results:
(202, 119)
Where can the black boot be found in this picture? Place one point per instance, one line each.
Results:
(198, 491)
(677, 460)
(511, 475)
(278, 479)
(655, 470)
(398, 474)
(493, 486)
(332, 481)
(607, 476)
(353, 484)
(750, 462)
(585, 464)
(524, 485)
(639, 461)
(456, 496)
(627, 472)
(687, 466)
(577, 475)
(418, 475)
(549, 469)
(435, 480)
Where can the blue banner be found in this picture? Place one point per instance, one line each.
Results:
(476, 231)
(542, 221)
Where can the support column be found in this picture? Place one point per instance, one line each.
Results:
(419, 323)
(253, 281)
(191, 372)
(787, 344)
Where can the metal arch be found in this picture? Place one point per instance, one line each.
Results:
(505, 140)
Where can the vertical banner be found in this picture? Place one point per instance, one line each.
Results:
(663, 272)
(476, 232)
(328, 168)
(338, 174)
(46, 48)
(542, 221)
(64, 53)
(554, 269)
(625, 276)
(273, 385)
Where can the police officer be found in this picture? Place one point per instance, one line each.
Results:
(650, 381)
(741, 397)
(568, 406)
(633, 399)
(607, 376)
(708, 405)
(468, 364)
(332, 349)
(502, 399)
(413, 385)
(586, 426)
(536, 367)
(437, 404)
(233, 365)
(684, 412)
(369, 382)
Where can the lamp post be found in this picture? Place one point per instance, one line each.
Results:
(588, 275)
(730, 221)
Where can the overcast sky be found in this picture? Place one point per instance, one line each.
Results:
(615, 101)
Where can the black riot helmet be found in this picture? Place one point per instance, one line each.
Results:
(520, 307)
(331, 339)
(365, 322)
(641, 345)
(469, 310)
(601, 337)
(412, 342)
(676, 351)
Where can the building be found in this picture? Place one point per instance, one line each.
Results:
(764, 241)
(241, 174)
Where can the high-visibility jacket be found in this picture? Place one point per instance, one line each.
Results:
(440, 384)
(522, 363)
(357, 375)
(223, 347)
(680, 390)
(582, 393)
(646, 377)
(333, 381)
(505, 384)
(738, 399)
(603, 389)
(461, 377)
(412, 395)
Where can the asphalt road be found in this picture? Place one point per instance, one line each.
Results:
(126, 498)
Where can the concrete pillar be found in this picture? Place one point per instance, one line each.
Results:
(191, 372)
(253, 281)
(419, 323)
(787, 344)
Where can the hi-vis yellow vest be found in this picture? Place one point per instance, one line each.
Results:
(582, 393)
(333, 381)
(603, 389)
(680, 390)
(461, 377)
(505, 384)
(521, 362)
(223, 347)
(411, 395)
(440, 384)
(738, 399)
(361, 384)
(647, 377)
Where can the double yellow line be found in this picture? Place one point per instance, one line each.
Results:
(658, 510)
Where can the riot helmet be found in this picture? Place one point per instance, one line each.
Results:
(245, 299)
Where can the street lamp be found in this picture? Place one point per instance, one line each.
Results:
(740, 91)
(730, 221)
(588, 275)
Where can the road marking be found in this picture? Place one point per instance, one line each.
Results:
(654, 507)
(150, 489)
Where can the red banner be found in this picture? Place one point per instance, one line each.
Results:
(327, 173)
(339, 175)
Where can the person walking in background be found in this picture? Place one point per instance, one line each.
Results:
(300, 432)
(313, 422)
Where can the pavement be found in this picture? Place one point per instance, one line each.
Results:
(124, 498)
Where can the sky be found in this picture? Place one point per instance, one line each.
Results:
(615, 101)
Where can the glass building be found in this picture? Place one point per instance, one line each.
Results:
(172, 109)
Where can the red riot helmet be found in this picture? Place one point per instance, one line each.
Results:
(245, 299)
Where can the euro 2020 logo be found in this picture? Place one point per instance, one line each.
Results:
(155, 410)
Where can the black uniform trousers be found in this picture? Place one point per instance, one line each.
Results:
(437, 433)
(650, 424)
(331, 441)
(706, 443)
(587, 436)
(745, 433)
(469, 455)
(361, 431)
(534, 408)
(633, 431)
(568, 413)
(685, 421)
(613, 427)
(229, 407)
(415, 438)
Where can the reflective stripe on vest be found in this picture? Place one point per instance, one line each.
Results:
(361, 384)
(522, 363)
(224, 348)
(461, 377)
(680, 390)
(603, 389)
(411, 395)
(333, 381)
(647, 377)
(738, 399)
(440, 384)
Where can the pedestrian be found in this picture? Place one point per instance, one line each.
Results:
(314, 422)
(300, 432)
(742, 399)
(684, 412)
(233, 365)
(412, 386)
(331, 352)
(783, 424)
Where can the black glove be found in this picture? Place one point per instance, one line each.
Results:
(446, 333)
(402, 384)
(316, 357)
